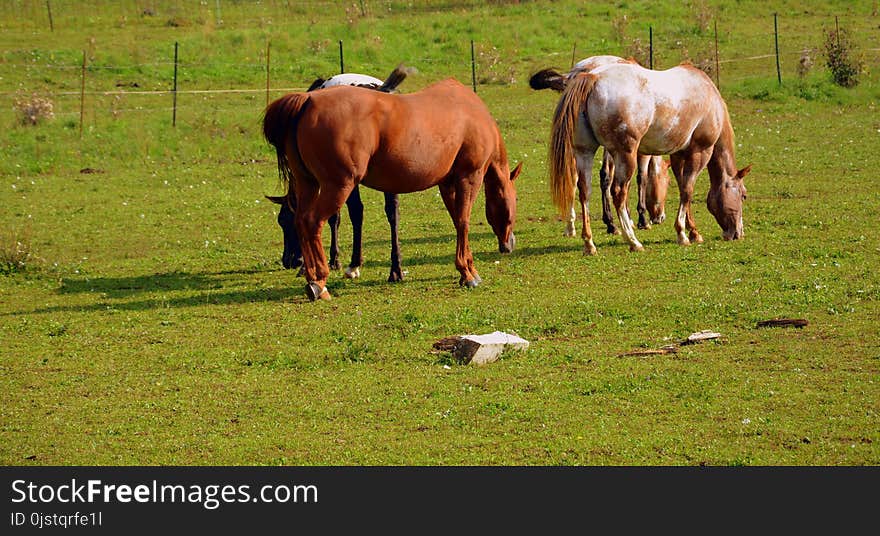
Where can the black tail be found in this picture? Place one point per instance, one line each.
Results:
(396, 77)
(547, 78)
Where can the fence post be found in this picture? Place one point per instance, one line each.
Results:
(573, 49)
(174, 91)
(717, 67)
(651, 47)
(82, 96)
(267, 73)
(49, 9)
(341, 60)
(473, 67)
(776, 40)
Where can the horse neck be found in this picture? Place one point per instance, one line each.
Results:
(723, 161)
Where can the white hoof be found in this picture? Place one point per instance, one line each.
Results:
(569, 231)
(352, 273)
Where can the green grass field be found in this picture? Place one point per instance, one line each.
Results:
(149, 320)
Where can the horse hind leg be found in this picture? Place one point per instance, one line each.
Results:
(606, 176)
(392, 212)
(624, 166)
(355, 207)
(585, 166)
(333, 223)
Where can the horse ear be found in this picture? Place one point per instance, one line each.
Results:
(277, 199)
(515, 173)
(743, 172)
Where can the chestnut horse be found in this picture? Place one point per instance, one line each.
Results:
(652, 177)
(292, 255)
(327, 142)
(631, 110)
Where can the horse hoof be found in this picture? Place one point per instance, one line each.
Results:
(589, 249)
(569, 232)
(644, 225)
(696, 238)
(613, 230)
(395, 277)
(352, 272)
(473, 283)
(335, 265)
(683, 241)
(636, 247)
(317, 292)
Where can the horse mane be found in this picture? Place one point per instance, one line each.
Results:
(279, 121)
(563, 170)
(316, 84)
(547, 78)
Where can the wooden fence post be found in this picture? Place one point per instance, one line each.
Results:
(341, 59)
(717, 67)
(174, 91)
(267, 72)
(473, 67)
(650, 47)
(49, 9)
(776, 40)
(82, 96)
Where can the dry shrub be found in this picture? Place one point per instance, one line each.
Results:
(619, 26)
(15, 251)
(703, 14)
(639, 52)
(805, 63)
(33, 109)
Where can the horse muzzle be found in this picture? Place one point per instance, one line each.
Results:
(507, 247)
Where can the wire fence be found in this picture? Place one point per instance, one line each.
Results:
(85, 83)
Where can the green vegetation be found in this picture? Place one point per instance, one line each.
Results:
(145, 318)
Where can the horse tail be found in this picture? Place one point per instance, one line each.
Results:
(396, 77)
(563, 168)
(547, 78)
(279, 122)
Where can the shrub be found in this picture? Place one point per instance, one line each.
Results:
(33, 109)
(15, 252)
(841, 58)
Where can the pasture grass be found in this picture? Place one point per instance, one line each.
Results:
(159, 328)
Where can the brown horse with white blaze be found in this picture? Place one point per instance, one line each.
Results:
(632, 111)
(329, 141)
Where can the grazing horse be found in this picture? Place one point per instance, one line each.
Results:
(631, 110)
(327, 142)
(652, 177)
(292, 255)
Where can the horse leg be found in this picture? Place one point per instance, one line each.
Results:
(642, 182)
(569, 224)
(334, 240)
(356, 214)
(458, 195)
(584, 167)
(606, 175)
(392, 212)
(314, 207)
(625, 164)
(686, 167)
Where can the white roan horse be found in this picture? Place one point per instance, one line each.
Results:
(632, 111)
(652, 177)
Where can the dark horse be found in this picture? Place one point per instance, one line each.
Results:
(292, 256)
(327, 142)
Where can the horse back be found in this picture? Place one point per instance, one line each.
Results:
(397, 143)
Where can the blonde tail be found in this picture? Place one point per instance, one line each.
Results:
(563, 169)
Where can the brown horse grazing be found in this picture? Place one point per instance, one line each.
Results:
(652, 177)
(292, 255)
(329, 141)
(631, 110)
